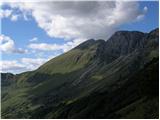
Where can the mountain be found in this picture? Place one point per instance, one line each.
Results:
(7, 79)
(117, 78)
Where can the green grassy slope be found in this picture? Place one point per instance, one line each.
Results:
(139, 102)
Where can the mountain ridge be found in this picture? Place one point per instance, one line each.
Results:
(152, 32)
(93, 71)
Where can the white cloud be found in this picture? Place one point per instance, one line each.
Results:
(145, 9)
(34, 39)
(5, 13)
(140, 17)
(21, 65)
(82, 19)
(11, 66)
(44, 46)
(7, 45)
(9, 14)
(14, 17)
(55, 47)
(36, 61)
(32, 63)
(53, 56)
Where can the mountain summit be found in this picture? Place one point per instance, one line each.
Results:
(117, 78)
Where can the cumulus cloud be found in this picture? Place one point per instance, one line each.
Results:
(9, 14)
(44, 46)
(11, 66)
(13, 14)
(33, 63)
(55, 47)
(14, 17)
(82, 19)
(5, 13)
(21, 65)
(7, 45)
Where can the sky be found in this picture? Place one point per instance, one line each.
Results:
(34, 32)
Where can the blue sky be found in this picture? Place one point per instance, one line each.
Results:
(49, 43)
(150, 20)
(22, 31)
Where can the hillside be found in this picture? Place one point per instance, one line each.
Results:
(116, 78)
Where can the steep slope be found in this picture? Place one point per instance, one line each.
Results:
(93, 80)
(137, 98)
(7, 79)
